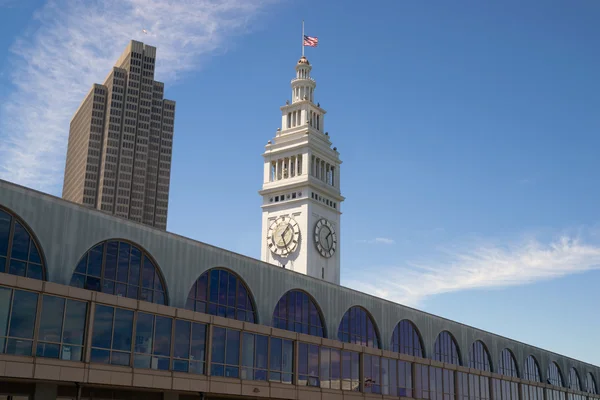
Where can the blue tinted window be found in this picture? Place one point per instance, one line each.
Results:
(112, 335)
(554, 375)
(152, 341)
(225, 352)
(189, 347)
(297, 312)
(62, 328)
(254, 357)
(531, 371)
(17, 320)
(406, 339)
(122, 269)
(574, 380)
(590, 386)
(507, 364)
(358, 327)
(19, 253)
(445, 349)
(280, 360)
(219, 292)
(479, 358)
(308, 365)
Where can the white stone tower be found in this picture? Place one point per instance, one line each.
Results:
(301, 188)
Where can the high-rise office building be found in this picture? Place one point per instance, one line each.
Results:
(120, 142)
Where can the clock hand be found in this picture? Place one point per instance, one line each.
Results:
(327, 239)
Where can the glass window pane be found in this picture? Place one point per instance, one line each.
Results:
(17, 268)
(134, 266)
(198, 348)
(94, 267)
(218, 345)
(232, 352)
(123, 330)
(148, 274)
(74, 328)
(248, 350)
(102, 330)
(51, 321)
(162, 338)
(20, 245)
(262, 343)
(275, 355)
(23, 313)
(34, 254)
(123, 262)
(182, 339)
(5, 220)
(144, 333)
(34, 271)
(5, 296)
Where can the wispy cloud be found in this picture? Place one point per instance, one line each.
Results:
(378, 240)
(74, 44)
(480, 265)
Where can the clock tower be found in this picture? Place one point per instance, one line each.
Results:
(301, 187)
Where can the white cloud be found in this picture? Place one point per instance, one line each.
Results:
(378, 240)
(480, 265)
(74, 44)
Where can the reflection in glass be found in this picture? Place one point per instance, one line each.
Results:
(531, 370)
(357, 327)
(62, 328)
(122, 269)
(220, 292)
(297, 312)
(507, 364)
(406, 339)
(19, 254)
(17, 320)
(590, 386)
(479, 358)
(445, 349)
(112, 335)
(574, 380)
(554, 375)
(225, 352)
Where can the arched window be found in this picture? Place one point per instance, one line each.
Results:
(358, 327)
(507, 365)
(297, 312)
(574, 380)
(222, 293)
(19, 251)
(445, 349)
(121, 268)
(590, 386)
(479, 358)
(406, 339)
(554, 375)
(531, 372)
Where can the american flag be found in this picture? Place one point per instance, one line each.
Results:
(311, 41)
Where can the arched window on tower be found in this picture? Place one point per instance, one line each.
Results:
(574, 382)
(289, 120)
(318, 128)
(445, 349)
(19, 251)
(479, 357)
(296, 311)
(507, 365)
(531, 372)
(554, 375)
(121, 268)
(357, 327)
(406, 339)
(220, 292)
(590, 386)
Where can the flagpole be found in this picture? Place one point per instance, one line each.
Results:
(302, 38)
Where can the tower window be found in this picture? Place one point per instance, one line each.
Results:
(293, 195)
(322, 273)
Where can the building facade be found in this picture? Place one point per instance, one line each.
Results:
(120, 143)
(97, 307)
(301, 205)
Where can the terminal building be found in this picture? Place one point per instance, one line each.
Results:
(96, 306)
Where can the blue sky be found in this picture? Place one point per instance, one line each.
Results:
(468, 130)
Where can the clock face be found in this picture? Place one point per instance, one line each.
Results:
(325, 238)
(283, 236)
